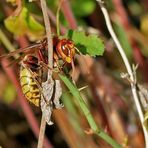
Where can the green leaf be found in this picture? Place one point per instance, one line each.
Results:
(98, 131)
(75, 92)
(24, 23)
(91, 45)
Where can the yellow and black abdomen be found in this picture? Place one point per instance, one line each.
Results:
(29, 86)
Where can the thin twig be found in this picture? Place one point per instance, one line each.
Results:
(50, 62)
(52, 17)
(57, 19)
(42, 132)
(48, 33)
(127, 65)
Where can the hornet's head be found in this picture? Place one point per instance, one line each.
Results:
(66, 50)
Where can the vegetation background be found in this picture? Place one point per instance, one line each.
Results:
(107, 95)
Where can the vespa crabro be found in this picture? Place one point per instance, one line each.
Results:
(34, 58)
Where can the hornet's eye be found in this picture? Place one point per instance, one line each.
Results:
(66, 50)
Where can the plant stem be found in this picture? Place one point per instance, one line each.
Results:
(57, 19)
(127, 65)
(68, 14)
(98, 131)
(42, 132)
(53, 19)
(50, 63)
(48, 33)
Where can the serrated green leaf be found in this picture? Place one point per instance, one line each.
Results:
(24, 23)
(91, 45)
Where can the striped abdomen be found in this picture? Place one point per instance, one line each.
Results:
(29, 86)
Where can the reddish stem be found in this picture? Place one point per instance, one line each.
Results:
(68, 14)
(22, 41)
(121, 12)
